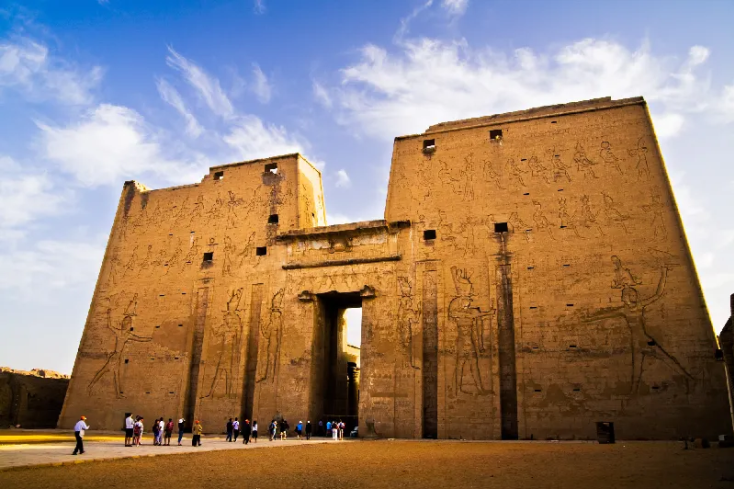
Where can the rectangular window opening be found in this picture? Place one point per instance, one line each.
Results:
(272, 168)
(209, 256)
(180, 325)
(429, 144)
(273, 219)
(127, 360)
(219, 175)
(157, 326)
(501, 227)
(429, 234)
(554, 122)
(495, 135)
(261, 251)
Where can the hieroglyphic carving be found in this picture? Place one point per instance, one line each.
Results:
(232, 204)
(408, 315)
(469, 323)
(642, 344)
(537, 169)
(124, 334)
(608, 156)
(228, 339)
(514, 170)
(643, 170)
(583, 163)
(193, 255)
(559, 168)
(613, 214)
(657, 221)
(492, 175)
(273, 334)
(541, 222)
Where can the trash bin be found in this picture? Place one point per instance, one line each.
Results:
(605, 432)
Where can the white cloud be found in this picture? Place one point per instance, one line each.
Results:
(455, 7)
(252, 139)
(51, 264)
(334, 219)
(321, 95)
(110, 144)
(27, 66)
(206, 86)
(259, 7)
(26, 195)
(428, 81)
(173, 98)
(342, 179)
(668, 125)
(260, 86)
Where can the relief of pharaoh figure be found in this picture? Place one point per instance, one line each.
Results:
(273, 334)
(229, 335)
(643, 345)
(115, 360)
(408, 315)
(469, 322)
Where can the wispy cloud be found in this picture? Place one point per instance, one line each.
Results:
(455, 7)
(260, 85)
(342, 179)
(27, 66)
(321, 95)
(207, 87)
(259, 7)
(110, 144)
(429, 80)
(173, 98)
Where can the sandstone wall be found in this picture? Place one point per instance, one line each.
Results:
(526, 284)
(31, 399)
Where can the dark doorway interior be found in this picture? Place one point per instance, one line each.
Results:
(335, 367)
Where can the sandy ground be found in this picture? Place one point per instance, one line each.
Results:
(405, 464)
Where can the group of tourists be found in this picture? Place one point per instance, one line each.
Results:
(247, 430)
(162, 431)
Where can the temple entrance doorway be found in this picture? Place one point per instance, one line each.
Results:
(336, 360)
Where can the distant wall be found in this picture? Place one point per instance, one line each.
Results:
(29, 400)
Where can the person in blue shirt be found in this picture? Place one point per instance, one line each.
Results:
(328, 428)
(79, 428)
(299, 429)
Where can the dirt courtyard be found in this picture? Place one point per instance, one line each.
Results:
(404, 464)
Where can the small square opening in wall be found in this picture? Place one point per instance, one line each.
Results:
(429, 145)
(127, 360)
(209, 256)
(261, 251)
(219, 175)
(272, 168)
(429, 234)
(273, 219)
(501, 227)
(495, 135)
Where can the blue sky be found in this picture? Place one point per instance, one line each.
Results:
(93, 93)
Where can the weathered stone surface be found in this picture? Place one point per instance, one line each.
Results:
(527, 283)
(31, 399)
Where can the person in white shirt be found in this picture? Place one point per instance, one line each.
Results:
(236, 428)
(79, 429)
(129, 426)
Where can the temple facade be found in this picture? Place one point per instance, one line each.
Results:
(530, 279)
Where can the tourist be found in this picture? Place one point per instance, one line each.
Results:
(254, 432)
(129, 425)
(273, 430)
(328, 429)
(229, 430)
(156, 428)
(284, 430)
(181, 427)
(169, 432)
(308, 430)
(246, 430)
(321, 429)
(334, 431)
(196, 439)
(79, 428)
(161, 429)
(138, 431)
(341, 429)
(236, 428)
(299, 429)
